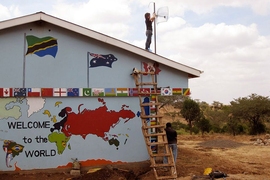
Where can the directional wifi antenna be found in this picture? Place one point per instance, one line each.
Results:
(162, 14)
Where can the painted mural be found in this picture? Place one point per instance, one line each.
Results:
(151, 67)
(101, 60)
(42, 46)
(34, 128)
(45, 127)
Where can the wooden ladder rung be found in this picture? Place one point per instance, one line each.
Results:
(151, 104)
(151, 116)
(167, 177)
(141, 72)
(162, 165)
(155, 134)
(161, 155)
(154, 126)
(156, 143)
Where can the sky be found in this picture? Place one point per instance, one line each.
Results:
(229, 40)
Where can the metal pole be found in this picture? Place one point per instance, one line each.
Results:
(24, 52)
(155, 29)
(88, 69)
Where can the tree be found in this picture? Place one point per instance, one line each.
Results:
(217, 105)
(216, 114)
(191, 112)
(175, 100)
(204, 125)
(253, 109)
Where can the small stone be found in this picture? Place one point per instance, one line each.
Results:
(74, 172)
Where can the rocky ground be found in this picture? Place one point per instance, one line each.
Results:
(236, 156)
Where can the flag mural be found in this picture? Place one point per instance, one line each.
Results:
(98, 92)
(34, 92)
(151, 67)
(92, 92)
(59, 91)
(6, 92)
(145, 91)
(101, 60)
(42, 46)
(85, 92)
(121, 91)
(177, 91)
(110, 92)
(19, 92)
(47, 92)
(186, 91)
(166, 91)
(73, 91)
(133, 92)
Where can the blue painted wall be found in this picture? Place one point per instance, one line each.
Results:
(25, 125)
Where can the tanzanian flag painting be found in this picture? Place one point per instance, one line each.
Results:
(41, 46)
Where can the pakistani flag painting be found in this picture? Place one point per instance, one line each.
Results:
(42, 46)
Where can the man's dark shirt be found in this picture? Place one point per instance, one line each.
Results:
(148, 24)
(171, 135)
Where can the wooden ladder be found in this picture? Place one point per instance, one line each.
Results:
(152, 129)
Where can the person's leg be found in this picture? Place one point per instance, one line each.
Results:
(148, 39)
(165, 159)
(174, 151)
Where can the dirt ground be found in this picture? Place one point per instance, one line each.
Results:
(235, 156)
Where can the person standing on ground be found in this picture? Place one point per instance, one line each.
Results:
(172, 141)
(149, 29)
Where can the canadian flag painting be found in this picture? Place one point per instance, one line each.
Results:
(6, 92)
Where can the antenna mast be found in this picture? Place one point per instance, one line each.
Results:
(162, 15)
(155, 41)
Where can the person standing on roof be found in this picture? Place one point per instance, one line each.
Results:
(172, 141)
(149, 29)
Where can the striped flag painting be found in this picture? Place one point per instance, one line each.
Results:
(34, 92)
(186, 91)
(157, 91)
(177, 91)
(122, 91)
(41, 46)
(153, 122)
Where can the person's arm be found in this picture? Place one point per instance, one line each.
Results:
(175, 134)
(153, 17)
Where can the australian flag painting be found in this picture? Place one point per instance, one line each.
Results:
(42, 46)
(101, 60)
(19, 92)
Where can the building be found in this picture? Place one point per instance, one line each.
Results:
(66, 92)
